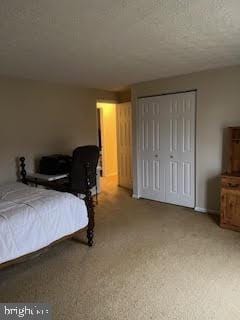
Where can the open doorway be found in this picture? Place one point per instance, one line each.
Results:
(107, 135)
(115, 142)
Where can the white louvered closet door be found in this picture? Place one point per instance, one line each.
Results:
(167, 148)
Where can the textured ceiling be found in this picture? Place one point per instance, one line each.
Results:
(114, 43)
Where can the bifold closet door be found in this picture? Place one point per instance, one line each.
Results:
(167, 148)
(180, 169)
(151, 153)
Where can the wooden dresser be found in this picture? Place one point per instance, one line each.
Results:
(230, 202)
(230, 184)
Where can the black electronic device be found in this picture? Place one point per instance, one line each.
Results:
(55, 164)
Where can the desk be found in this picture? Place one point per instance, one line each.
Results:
(55, 182)
(58, 182)
(46, 177)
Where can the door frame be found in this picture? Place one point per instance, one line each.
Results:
(137, 195)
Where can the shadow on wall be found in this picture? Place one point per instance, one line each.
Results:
(213, 193)
(17, 164)
(213, 190)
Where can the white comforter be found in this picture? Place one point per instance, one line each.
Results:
(32, 218)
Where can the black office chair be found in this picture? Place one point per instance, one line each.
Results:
(84, 169)
(83, 177)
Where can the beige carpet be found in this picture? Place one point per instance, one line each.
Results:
(150, 261)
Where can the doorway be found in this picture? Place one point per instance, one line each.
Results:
(115, 142)
(107, 138)
(166, 131)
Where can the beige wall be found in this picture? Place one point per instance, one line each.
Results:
(39, 118)
(218, 106)
(124, 96)
(109, 138)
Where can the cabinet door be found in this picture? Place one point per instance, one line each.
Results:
(231, 207)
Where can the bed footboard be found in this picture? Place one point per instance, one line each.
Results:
(90, 208)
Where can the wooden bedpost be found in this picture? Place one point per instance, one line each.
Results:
(23, 172)
(90, 207)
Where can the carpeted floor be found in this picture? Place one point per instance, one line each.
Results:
(150, 261)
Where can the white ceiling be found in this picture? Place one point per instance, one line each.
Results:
(114, 43)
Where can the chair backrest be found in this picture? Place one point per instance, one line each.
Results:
(82, 157)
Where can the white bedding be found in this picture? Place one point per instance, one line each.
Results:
(32, 218)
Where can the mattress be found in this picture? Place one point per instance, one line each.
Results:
(32, 218)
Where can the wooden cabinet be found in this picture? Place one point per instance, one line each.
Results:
(230, 184)
(234, 150)
(230, 202)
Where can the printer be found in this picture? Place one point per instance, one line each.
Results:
(55, 164)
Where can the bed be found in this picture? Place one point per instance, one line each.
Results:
(33, 218)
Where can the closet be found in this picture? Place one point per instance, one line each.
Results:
(166, 148)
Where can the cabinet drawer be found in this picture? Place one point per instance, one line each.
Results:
(230, 183)
(230, 208)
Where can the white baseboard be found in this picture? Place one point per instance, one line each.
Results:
(205, 210)
(197, 209)
(134, 196)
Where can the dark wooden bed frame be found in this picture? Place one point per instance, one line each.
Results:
(90, 209)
